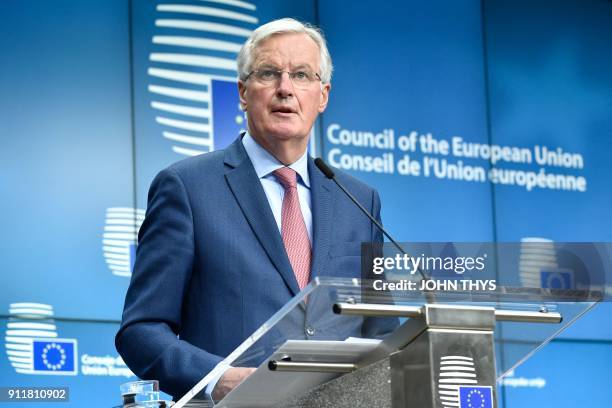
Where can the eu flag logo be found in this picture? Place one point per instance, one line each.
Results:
(475, 397)
(54, 356)
(556, 279)
(132, 255)
(227, 117)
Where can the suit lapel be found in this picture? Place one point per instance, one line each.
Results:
(251, 198)
(322, 204)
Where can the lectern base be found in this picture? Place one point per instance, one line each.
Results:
(368, 387)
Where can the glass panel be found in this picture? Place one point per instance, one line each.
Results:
(310, 316)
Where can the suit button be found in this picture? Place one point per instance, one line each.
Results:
(310, 331)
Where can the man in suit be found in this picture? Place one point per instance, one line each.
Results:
(231, 236)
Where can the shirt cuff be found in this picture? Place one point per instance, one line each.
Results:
(212, 383)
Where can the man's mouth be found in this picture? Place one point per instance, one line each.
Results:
(283, 109)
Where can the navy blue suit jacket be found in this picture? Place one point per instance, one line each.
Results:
(211, 266)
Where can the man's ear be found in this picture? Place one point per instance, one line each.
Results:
(324, 97)
(242, 89)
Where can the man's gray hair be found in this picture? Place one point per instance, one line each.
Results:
(284, 25)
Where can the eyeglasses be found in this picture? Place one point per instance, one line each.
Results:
(269, 76)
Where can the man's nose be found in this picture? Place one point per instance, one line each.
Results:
(284, 87)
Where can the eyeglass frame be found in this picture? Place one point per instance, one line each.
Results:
(280, 75)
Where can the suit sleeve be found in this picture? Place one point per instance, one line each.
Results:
(147, 339)
(378, 327)
(377, 235)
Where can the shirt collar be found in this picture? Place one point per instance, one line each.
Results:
(264, 163)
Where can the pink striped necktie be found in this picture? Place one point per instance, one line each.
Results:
(293, 227)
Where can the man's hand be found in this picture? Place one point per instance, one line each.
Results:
(230, 380)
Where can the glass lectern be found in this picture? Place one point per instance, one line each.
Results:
(341, 342)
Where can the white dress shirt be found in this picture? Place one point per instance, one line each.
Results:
(265, 164)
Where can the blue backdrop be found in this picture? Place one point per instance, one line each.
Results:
(98, 96)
